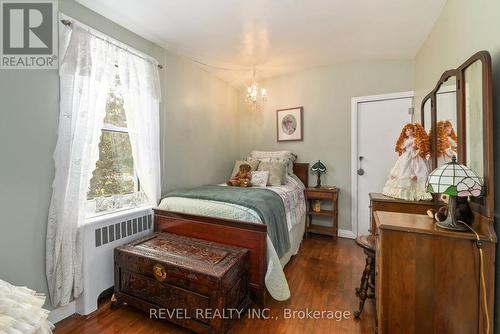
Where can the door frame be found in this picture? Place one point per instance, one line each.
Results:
(355, 101)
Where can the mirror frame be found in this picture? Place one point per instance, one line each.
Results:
(429, 98)
(485, 205)
(433, 97)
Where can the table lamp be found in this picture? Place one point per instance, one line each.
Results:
(318, 168)
(454, 180)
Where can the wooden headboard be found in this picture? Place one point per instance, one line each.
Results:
(301, 170)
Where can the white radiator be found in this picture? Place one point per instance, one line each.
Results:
(101, 236)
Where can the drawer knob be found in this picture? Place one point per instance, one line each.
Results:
(159, 272)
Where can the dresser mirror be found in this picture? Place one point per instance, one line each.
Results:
(427, 124)
(478, 125)
(427, 115)
(458, 116)
(446, 115)
(474, 143)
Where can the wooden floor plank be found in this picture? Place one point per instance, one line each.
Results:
(321, 277)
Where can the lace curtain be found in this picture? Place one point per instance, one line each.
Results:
(86, 73)
(141, 97)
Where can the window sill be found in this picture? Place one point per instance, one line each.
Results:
(103, 216)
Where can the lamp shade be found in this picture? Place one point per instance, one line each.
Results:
(318, 168)
(454, 179)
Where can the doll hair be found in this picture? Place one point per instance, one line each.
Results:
(422, 141)
(452, 134)
(442, 136)
(403, 137)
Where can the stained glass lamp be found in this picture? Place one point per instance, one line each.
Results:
(454, 180)
(318, 168)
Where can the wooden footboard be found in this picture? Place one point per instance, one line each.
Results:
(251, 236)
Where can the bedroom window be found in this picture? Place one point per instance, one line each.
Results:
(114, 181)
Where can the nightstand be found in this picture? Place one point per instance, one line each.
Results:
(323, 194)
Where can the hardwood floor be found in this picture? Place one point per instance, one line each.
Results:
(321, 277)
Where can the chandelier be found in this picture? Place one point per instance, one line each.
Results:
(255, 94)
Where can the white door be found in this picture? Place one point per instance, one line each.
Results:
(379, 123)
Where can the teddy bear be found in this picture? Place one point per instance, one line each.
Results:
(463, 211)
(242, 178)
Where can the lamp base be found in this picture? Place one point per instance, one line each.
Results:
(452, 226)
(318, 181)
(451, 222)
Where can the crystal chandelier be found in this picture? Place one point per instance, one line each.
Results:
(255, 94)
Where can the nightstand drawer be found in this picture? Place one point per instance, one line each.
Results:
(320, 195)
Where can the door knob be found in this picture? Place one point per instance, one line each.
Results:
(361, 171)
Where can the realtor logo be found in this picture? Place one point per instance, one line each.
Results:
(29, 34)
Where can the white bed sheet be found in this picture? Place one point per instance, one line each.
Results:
(292, 194)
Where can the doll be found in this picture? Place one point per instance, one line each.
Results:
(408, 177)
(446, 142)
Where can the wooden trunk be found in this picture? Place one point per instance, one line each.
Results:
(251, 236)
(194, 283)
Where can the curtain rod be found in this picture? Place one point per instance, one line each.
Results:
(68, 23)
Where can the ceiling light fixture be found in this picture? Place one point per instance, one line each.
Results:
(255, 94)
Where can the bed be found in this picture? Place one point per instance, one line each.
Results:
(235, 225)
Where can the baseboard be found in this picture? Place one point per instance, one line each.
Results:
(346, 234)
(62, 312)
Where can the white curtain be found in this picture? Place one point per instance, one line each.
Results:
(86, 73)
(141, 97)
(85, 78)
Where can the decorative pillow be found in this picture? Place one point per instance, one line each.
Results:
(277, 172)
(254, 164)
(270, 154)
(259, 178)
(288, 156)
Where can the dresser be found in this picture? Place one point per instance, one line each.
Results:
(428, 279)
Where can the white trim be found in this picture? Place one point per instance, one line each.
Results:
(118, 214)
(62, 312)
(354, 147)
(346, 234)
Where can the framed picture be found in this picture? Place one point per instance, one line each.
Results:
(290, 124)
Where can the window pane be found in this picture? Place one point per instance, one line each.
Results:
(114, 173)
(115, 114)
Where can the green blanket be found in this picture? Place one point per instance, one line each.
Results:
(268, 205)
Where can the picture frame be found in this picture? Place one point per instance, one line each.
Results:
(290, 124)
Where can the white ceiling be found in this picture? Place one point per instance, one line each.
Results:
(276, 36)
